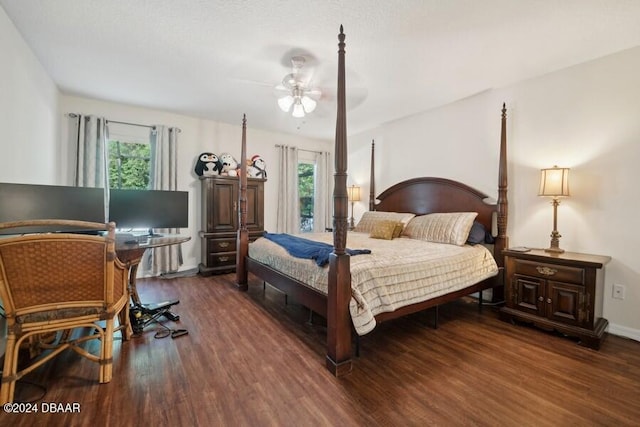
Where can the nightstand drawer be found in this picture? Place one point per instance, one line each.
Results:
(221, 245)
(549, 271)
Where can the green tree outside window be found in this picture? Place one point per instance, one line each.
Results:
(129, 165)
(305, 193)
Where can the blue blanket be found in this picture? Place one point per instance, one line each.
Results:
(309, 249)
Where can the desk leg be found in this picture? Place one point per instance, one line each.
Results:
(133, 290)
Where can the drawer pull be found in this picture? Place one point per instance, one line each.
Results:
(223, 244)
(547, 271)
(223, 259)
(540, 299)
(548, 300)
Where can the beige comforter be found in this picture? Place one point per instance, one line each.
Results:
(398, 272)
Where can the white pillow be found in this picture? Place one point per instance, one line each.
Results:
(452, 228)
(370, 218)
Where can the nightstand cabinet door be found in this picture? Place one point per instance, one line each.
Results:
(568, 304)
(557, 291)
(528, 294)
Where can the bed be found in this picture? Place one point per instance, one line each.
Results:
(335, 298)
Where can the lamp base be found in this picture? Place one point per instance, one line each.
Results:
(554, 250)
(554, 246)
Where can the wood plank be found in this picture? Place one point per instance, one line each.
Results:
(252, 359)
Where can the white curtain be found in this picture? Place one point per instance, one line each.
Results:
(288, 214)
(323, 197)
(89, 137)
(164, 161)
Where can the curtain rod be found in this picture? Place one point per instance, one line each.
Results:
(126, 123)
(130, 124)
(144, 126)
(302, 149)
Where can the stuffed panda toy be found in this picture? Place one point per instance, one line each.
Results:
(229, 165)
(257, 167)
(208, 164)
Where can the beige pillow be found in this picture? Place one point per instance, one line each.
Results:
(384, 229)
(452, 228)
(370, 218)
(397, 231)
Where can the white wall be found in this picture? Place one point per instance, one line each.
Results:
(28, 113)
(585, 117)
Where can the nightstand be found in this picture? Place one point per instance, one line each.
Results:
(562, 292)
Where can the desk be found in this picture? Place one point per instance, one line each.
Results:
(131, 255)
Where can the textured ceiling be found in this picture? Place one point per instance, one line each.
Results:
(219, 59)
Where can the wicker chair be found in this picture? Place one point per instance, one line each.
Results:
(54, 282)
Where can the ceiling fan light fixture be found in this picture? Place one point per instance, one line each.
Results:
(309, 104)
(298, 110)
(299, 94)
(285, 103)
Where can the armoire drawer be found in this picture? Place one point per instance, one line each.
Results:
(221, 245)
(221, 259)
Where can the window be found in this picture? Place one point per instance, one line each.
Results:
(129, 165)
(129, 156)
(306, 191)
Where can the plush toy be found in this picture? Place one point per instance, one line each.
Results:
(257, 167)
(208, 164)
(229, 164)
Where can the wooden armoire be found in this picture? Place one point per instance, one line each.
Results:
(220, 209)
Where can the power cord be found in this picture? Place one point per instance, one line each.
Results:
(43, 390)
(175, 333)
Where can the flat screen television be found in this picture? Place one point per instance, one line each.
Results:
(31, 201)
(149, 209)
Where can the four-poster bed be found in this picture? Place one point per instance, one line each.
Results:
(419, 196)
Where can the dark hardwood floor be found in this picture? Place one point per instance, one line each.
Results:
(252, 360)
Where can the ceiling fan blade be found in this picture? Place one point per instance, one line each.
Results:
(280, 90)
(314, 93)
(251, 82)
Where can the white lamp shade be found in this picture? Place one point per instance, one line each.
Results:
(308, 104)
(298, 110)
(353, 193)
(554, 182)
(285, 103)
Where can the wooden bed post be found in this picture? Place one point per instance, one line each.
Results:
(372, 179)
(338, 359)
(502, 240)
(243, 234)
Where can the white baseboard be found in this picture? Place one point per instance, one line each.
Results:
(624, 331)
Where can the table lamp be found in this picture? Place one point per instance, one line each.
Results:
(554, 183)
(354, 196)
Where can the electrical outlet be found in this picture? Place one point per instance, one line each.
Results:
(618, 291)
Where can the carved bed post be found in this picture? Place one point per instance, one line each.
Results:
(502, 240)
(372, 179)
(243, 234)
(338, 359)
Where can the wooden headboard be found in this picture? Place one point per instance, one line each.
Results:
(432, 195)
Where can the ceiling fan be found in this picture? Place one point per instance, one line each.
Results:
(297, 95)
